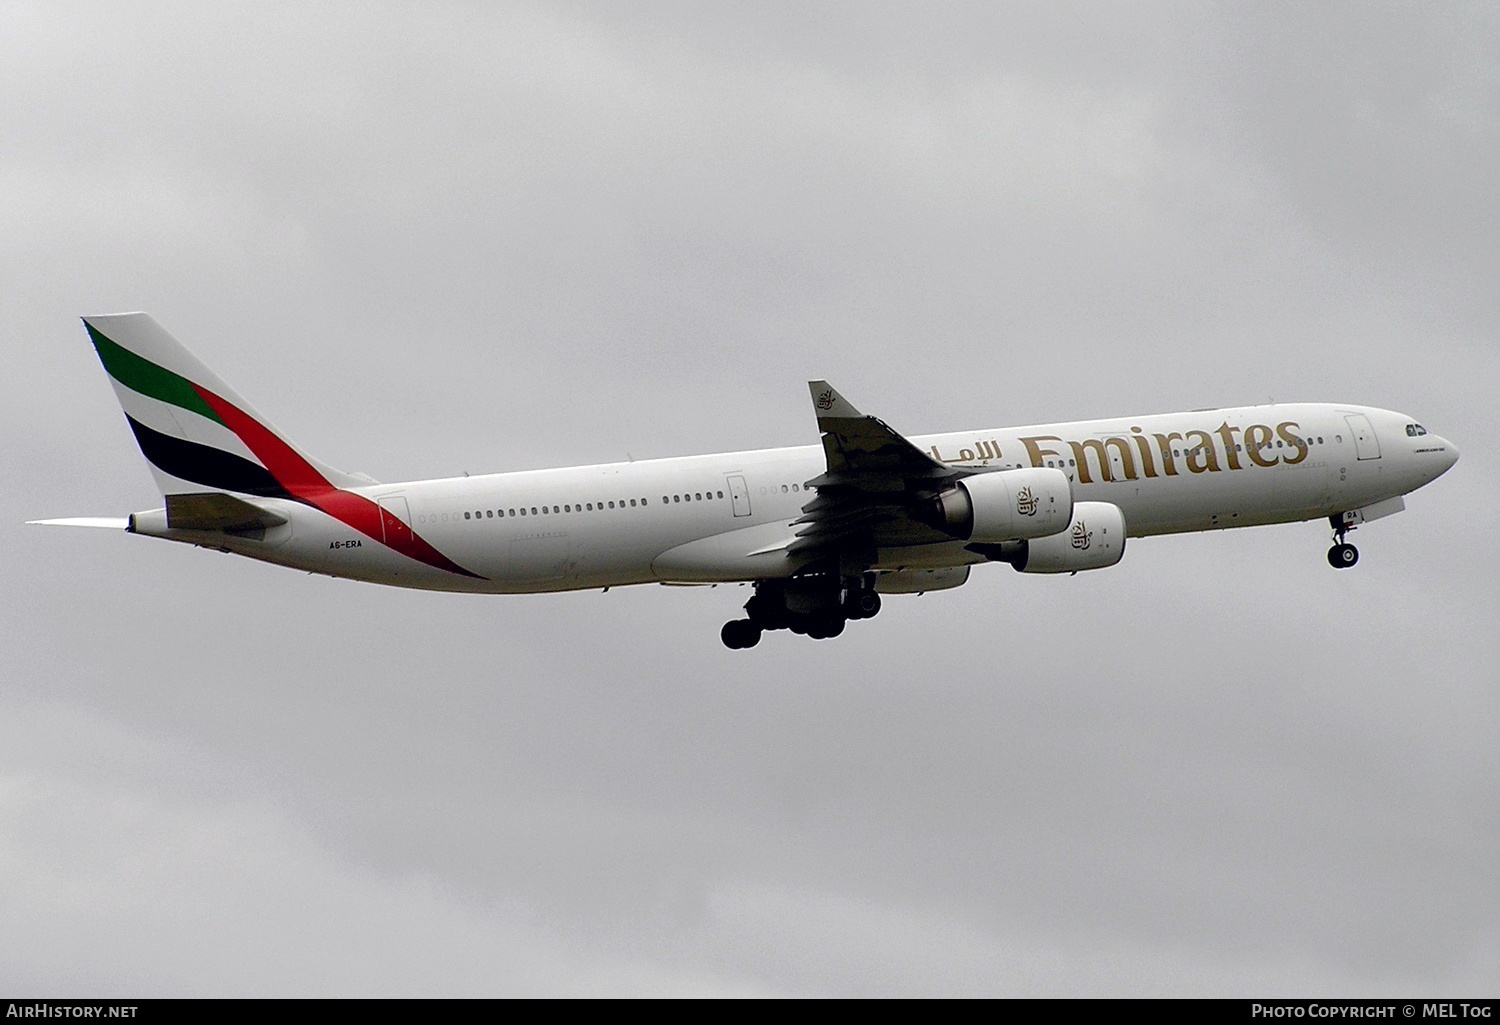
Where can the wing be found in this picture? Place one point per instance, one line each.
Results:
(869, 496)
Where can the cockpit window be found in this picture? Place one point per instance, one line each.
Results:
(1415, 430)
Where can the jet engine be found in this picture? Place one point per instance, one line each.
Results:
(1005, 505)
(1095, 539)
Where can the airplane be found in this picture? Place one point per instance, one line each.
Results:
(820, 532)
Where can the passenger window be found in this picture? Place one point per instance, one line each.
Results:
(466, 515)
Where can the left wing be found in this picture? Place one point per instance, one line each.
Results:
(869, 496)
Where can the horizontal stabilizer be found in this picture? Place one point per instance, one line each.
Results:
(215, 510)
(109, 522)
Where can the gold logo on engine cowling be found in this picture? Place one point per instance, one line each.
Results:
(1082, 536)
(1026, 502)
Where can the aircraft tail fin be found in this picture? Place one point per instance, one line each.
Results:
(197, 434)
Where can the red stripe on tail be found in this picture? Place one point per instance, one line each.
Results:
(304, 482)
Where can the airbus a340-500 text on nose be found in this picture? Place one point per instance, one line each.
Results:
(820, 531)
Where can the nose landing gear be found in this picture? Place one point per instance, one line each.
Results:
(1342, 555)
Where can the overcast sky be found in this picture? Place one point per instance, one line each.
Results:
(428, 239)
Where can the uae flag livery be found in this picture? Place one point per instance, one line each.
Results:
(198, 436)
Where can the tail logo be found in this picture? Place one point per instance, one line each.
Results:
(192, 433)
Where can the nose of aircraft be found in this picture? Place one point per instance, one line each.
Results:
(1449, 454)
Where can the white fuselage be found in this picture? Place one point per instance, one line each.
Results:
(729, 516)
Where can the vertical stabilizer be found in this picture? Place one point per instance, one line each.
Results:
(194, 430)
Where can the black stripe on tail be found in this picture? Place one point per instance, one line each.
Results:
(203, 464)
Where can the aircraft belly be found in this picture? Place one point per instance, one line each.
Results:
(749, 553)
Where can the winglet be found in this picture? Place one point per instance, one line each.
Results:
(830, 404)
(854, 442)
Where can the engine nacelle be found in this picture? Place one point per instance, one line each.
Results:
(1095, 538)
(1005, 505)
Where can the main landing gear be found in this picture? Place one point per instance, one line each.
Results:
(740, 633)
(817, 605)
(1342, 555)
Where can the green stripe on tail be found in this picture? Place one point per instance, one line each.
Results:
(141, 375)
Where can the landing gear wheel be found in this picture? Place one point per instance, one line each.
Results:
(1342, 556)
(824, 627)
(862, 605)
(740, 633)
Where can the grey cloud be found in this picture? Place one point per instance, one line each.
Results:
(473, 238)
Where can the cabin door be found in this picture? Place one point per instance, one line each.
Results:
(739, 495)
(1365, 444)
(395, 522)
